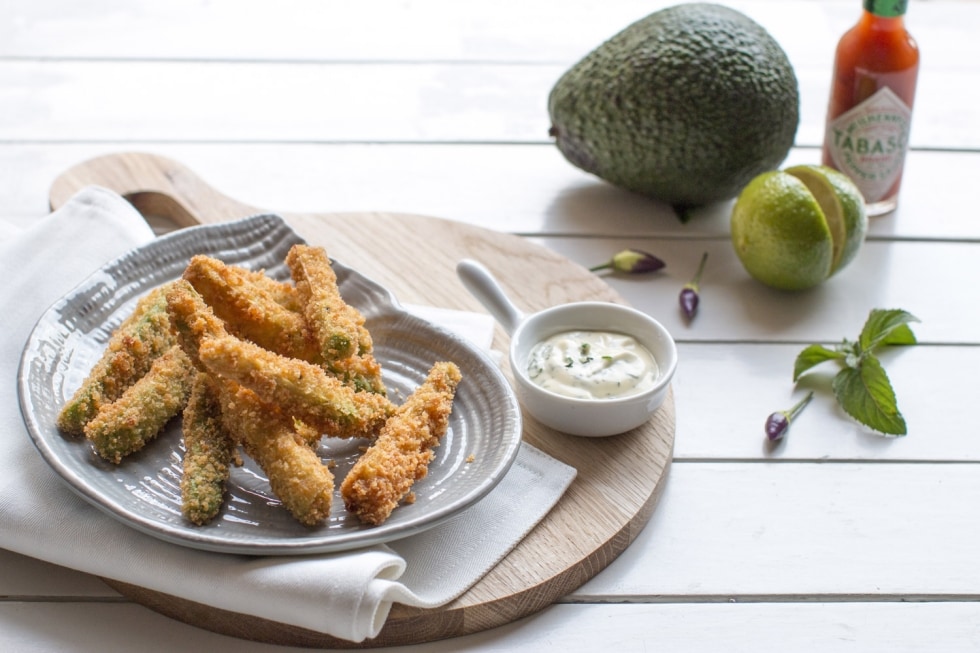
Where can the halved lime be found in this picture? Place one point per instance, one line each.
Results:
(793, 229)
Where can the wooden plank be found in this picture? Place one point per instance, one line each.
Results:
(25, 577)
(384, 30)
(918, 276)
(745, 383)
(780, 532)
(800, 532)
(668, 628)
(777, 531)
(62, 100)
(908, 275)
(527, 189)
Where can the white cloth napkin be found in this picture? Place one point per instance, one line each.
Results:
(346, 595)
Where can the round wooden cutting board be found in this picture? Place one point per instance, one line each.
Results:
(620, 479)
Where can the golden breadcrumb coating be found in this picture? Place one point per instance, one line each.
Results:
(127, 424)
(130, 352)
(334, 324)
(296, 474)
(191, 319)
(247, 309)
(282, 292)
(300, 389)
(209, 451)
(344, 343)
(385, 473)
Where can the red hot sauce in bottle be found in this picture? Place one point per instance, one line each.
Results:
(875, 70)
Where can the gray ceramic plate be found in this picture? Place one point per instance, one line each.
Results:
(144, 491)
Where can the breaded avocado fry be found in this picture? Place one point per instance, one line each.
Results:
(208, 453)
(192, 319)
(296, 387)
(334, 324)
(250, 311)
(127, 424)
(400, 456)
(130, 352)
(344, 343)
(296, 474)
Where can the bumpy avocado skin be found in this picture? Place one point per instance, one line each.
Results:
(686, 105)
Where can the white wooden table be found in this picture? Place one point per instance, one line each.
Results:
(835, 540)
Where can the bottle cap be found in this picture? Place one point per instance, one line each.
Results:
(886, 8)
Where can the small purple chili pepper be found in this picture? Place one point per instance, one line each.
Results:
(633, 261)
(778, 423)
(689, 298)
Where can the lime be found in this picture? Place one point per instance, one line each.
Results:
(792, 229)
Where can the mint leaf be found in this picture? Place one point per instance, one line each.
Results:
(866, 394)
(887, 327)
(861, 387)
(811, 356)
(901, 335)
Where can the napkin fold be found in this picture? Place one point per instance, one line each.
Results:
(347, 595)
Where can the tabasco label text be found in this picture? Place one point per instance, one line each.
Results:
(868, 142)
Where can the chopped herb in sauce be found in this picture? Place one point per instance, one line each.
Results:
(592, 365)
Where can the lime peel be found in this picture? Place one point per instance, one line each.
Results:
(795, 228)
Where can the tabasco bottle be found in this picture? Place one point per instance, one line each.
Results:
(870, 112)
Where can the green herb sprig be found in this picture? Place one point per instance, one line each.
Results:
(861, 387)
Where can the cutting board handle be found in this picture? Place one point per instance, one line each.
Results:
(155, 185)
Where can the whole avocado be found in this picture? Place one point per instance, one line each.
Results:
(686, 106)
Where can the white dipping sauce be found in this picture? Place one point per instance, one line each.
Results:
(592, 365)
